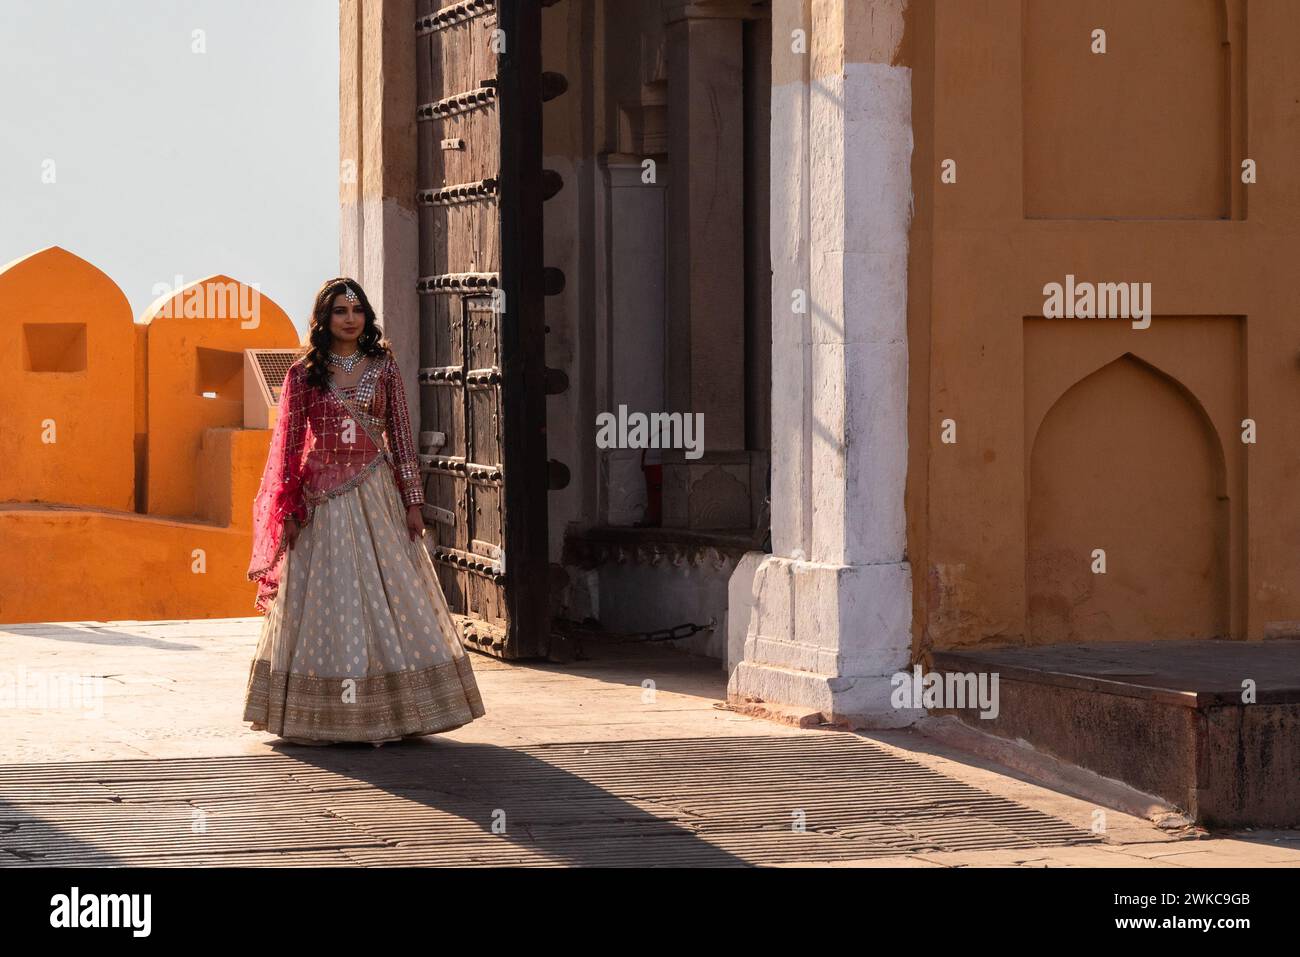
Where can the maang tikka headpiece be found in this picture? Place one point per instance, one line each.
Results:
(350, 293)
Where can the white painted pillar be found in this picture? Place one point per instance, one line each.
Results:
(832, 607)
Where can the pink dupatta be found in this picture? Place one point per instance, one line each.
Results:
(323, 444)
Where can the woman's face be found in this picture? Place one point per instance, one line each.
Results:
(347, 319)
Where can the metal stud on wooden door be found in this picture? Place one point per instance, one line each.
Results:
(482, 333)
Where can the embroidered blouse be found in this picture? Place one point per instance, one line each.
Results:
(325, 442)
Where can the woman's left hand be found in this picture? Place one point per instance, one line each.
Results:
(415, 522)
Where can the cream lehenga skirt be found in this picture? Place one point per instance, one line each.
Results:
(359, 645)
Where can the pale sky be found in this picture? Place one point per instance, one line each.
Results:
(167, 161)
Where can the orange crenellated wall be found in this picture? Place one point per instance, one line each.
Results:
(134, 434)
(67, 402)
(195, 344)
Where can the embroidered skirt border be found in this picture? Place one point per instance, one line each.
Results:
(435, 699)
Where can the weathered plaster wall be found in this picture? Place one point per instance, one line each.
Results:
(1081, 434)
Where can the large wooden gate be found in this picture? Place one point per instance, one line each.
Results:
(482, 375)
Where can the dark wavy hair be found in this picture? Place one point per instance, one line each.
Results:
(371, 343)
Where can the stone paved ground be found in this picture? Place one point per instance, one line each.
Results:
(583, 765)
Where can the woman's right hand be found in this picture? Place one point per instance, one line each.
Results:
(291, 531)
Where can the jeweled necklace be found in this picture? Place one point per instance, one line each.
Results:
(346, 363)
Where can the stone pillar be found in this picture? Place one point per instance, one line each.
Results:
(636, 338)
(832, 609)
(706, 264)
(378, 228)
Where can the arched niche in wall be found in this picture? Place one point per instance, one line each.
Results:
(1127, 462)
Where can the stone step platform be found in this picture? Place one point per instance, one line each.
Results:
(1213, 727)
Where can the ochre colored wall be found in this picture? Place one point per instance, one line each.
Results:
(1083, 434)
(72, 544)
(82, 564)
(230, 467)
(69, 362)
(199, 344)
(112, 566)
(141, 415)
(1147, 124)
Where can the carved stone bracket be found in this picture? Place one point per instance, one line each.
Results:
(609, 547)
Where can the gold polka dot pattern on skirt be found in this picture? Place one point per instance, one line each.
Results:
(360, 645)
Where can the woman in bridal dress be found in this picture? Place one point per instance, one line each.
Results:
(358, 643)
